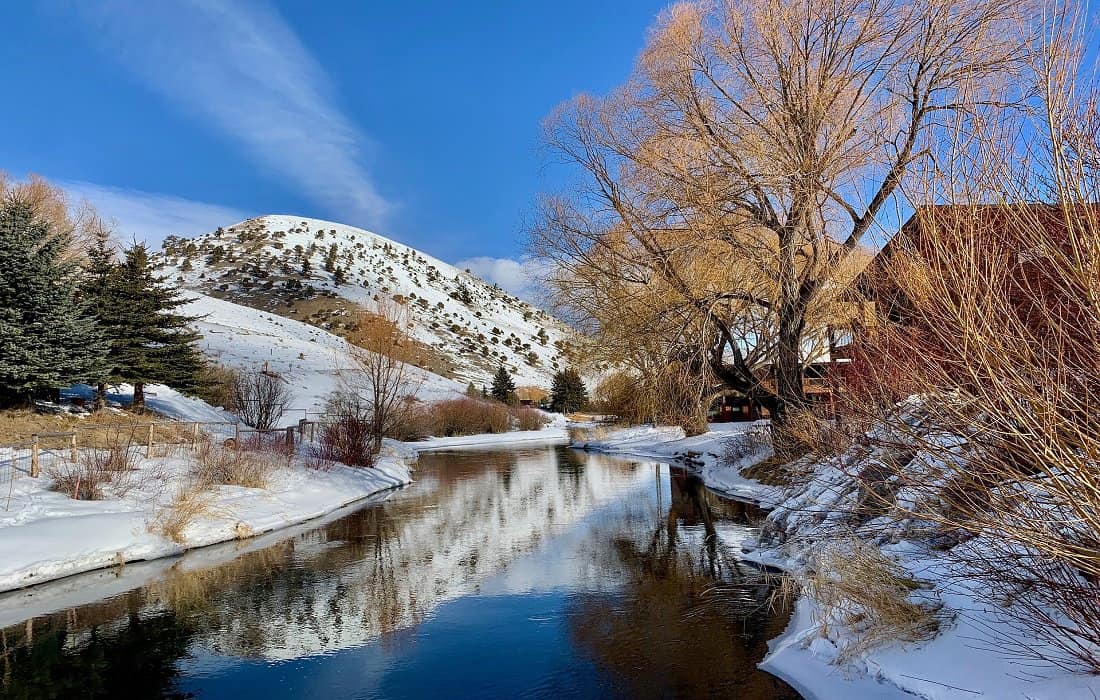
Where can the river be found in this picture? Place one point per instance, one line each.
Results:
(532, 572)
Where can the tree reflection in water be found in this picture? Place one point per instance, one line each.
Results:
(691, 619)
(685, 616)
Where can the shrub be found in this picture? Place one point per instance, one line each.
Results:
(216, 465)
(85, 479)
(216, 385)
(859, 588)
(348, 435)
(259, 398)
(529, 418)
(189, 503)
(469, 417)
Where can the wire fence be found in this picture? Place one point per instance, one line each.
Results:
(49, 453)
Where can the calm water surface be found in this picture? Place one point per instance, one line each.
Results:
(539, 572)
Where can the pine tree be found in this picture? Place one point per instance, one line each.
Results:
(568, 392)
(148, 340)
(504, 389)
(98, 269)
(330, 259)
(48, 337)
(472, 392)
(339, 276)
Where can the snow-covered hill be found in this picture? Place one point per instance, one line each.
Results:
(327, 274)
(308, 358)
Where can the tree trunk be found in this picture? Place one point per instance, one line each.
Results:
(100, 399)
(138, 404)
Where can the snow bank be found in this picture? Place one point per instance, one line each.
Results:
(962, 661)
(546, 435)
(46, 535)
(704, 453)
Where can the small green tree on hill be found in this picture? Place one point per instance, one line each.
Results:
(504, 389)
(568, 392)
(472, 391)
(48, 337)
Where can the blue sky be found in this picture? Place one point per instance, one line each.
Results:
(418, 120)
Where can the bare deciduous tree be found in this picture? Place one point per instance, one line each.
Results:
(383, 383)
(756, 146)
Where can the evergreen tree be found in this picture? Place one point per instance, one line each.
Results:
(148, 340)
(504, 389)
(330, 259)
(98, 269)
(568, 392)
(472, 392)
(48, 337)
(339, 276)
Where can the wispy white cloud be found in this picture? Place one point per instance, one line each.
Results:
(240, 68)
(148, 216)
(520, 277)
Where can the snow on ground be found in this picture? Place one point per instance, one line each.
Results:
(308, 358)
(161, 399)
(46, 535)
(555, 431)
(962, 661)
(704, 453)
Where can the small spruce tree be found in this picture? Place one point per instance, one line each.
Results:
(568, 392)
(504, 389)
(472, 392)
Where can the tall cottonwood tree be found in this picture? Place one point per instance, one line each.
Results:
(756, 146)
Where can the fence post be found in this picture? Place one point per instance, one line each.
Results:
(34, 455)
(290, 436)
(149, 449)
(72, 448)
(194, 435)
(302, 430)
(237, 434)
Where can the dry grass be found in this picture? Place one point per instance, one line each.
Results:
(871, 596)
(190, 503)
(215, 465)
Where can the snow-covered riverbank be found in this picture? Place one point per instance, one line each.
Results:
(46, 535)
(966, 658)
(706, 453)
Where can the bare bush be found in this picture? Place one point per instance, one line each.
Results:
(95, 468)
(470, 417)
(528, 418)
(259, 398)
(745, 447)
(347, 435)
